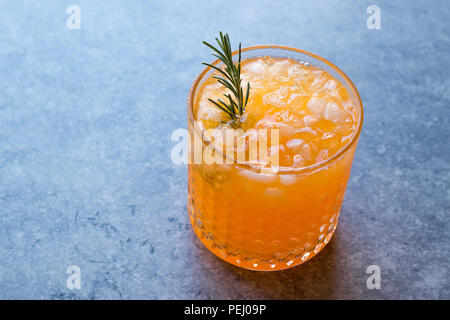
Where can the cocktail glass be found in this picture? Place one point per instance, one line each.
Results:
(268, 221)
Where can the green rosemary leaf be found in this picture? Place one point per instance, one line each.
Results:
(224, 109)
(219, 70)
(248, 93)
(231, 78)
(226, 84)
(221, 56)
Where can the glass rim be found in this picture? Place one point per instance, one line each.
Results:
(280, 169)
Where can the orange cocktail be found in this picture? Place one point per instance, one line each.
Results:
(254, 214)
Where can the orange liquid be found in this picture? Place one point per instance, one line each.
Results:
(273, 221)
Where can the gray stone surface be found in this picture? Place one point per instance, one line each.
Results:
(85, 172)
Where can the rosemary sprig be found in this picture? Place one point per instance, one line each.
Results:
(230, 78)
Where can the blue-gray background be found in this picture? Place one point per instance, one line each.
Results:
(85, 172)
